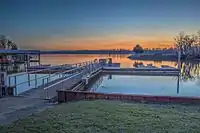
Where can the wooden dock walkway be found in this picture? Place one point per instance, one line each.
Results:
(77, 72)
(65, 79)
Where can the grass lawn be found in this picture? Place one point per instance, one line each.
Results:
(110, 117)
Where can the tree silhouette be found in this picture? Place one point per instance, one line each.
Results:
(188, 45)
(8, 44)
(138, 49)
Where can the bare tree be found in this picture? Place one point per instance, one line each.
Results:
(188, 45)
(3, 41)
(6, 43)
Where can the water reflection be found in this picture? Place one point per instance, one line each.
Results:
(109, 76)
(154, 85)
(178, 84)
(74, 58)
(97, 83)
(190, 70)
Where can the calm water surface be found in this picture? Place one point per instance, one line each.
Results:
(194, 67)
(146, 85)
(75, 58)
(189, 82)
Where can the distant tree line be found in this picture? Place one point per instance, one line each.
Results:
(140, 49)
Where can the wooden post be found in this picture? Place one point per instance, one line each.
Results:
(39, 59)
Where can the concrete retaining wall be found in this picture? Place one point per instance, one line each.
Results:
(66, 96)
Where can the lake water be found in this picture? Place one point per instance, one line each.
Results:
(194, 67)
(74, 58)
(189, 82)
(146, 85)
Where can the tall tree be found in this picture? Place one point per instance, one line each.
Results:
(187, 44)
(3, 42)
(138, 49)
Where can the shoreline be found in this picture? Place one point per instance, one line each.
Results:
(154, 58)
(160, 58)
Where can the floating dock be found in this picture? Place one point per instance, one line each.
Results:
(44, 83)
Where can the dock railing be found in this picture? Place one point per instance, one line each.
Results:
(72, 80)
(27, 80)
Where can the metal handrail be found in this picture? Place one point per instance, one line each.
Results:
(58, 66)
(47, 76)
(33, 72)
(36, 79)
(50, 90)
(82, 68)
(62, 80)
(66, 79)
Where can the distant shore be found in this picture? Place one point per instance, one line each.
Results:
(162, 58)
(154, 57)
(86, 52)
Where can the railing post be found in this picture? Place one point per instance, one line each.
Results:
(49, 73)
(29, 83)
(15, 81)
(46, 89)
(91, 67)
(62, 85)
(48, 79)
(47, 94)
(62, 70)
(9, 82)
(35, 80)
(43, 84)
(87, 69)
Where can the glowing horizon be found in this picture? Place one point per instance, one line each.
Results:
(98, 45)
(98, 24)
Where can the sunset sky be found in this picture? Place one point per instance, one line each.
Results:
(97, 24)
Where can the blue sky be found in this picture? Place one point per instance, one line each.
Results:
(86, 24)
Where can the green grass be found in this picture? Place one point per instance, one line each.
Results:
(110, 117)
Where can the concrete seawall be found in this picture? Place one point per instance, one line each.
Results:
(67, 96)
